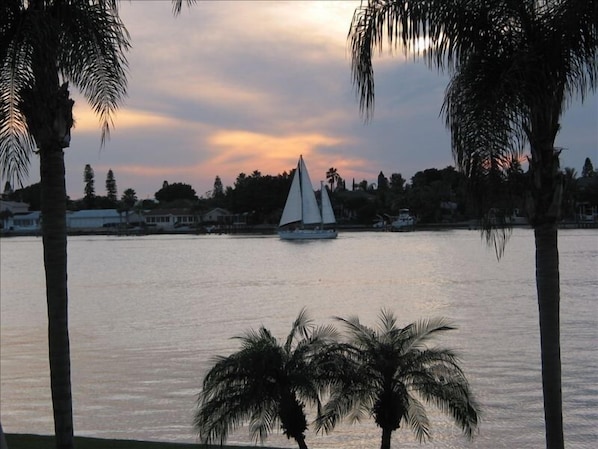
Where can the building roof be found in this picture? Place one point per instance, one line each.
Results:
(94, 213)
(168, 212)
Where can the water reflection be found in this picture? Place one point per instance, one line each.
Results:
(148, 314)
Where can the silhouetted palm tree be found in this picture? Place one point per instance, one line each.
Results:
(514, 66)
(392, 372)
(332, 176)
(44, 46)
(267, 383)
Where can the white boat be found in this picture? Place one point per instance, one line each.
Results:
(404, 222)
(302, 218)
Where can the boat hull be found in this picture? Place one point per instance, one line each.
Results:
(308, 234)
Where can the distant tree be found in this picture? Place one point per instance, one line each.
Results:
(175, 191)
(129, 198)
(89, 189)
(382, 181)
(30, 195)
(7, 188)
(111, 192)
(218, 191)
(397, 183)
(570, 192)
(332, 177)
(260, 197)
(588, 169)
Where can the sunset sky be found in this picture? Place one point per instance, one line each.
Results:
(237, 86)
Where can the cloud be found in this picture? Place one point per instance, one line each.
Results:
(237, 86)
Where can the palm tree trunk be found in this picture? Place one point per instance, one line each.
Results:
(301, 442)
(386, 437)
(53, 205)
(547, 284)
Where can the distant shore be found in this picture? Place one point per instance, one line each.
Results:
(271, 229)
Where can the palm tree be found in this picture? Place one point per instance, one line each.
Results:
(332, 176)
(393, 371)
(514, 67)
(266, 383)
(44, 46)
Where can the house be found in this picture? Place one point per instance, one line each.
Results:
(217, 215)
(170, 218)
(8, 209)
(93, 219)
(28, 221)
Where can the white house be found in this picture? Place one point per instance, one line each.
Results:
(169, 218)
(93, 219)
(29, 221)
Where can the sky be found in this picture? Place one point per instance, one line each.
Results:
(229, 87)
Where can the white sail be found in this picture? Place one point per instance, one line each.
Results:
(327, 212)
(292, 208)
(311, 211)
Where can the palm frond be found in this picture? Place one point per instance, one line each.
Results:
(423, 330)
(418, 420)
(263, 421)
(92, 56)
(300, 327)
(16, 142)
(177, 5)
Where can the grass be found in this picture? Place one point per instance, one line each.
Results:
(27, 441)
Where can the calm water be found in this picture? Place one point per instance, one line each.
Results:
(147, 315)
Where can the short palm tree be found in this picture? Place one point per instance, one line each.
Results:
(267, 383)
(514, 65)
(393, 372)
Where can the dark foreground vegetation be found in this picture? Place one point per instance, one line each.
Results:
(27, 441)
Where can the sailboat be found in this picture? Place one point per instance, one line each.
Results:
(302, 218)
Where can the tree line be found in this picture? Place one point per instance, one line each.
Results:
(432, 195)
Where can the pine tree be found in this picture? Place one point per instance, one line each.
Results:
(88, 178)
(218, 191)
(111, 192)
(588, 169)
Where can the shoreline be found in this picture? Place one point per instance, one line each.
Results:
(271, 229)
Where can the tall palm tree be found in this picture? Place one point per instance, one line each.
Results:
(267, 383)
(514, 67)
(393, 371)
(44, 46)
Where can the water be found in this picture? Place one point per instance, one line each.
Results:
(148, 314)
